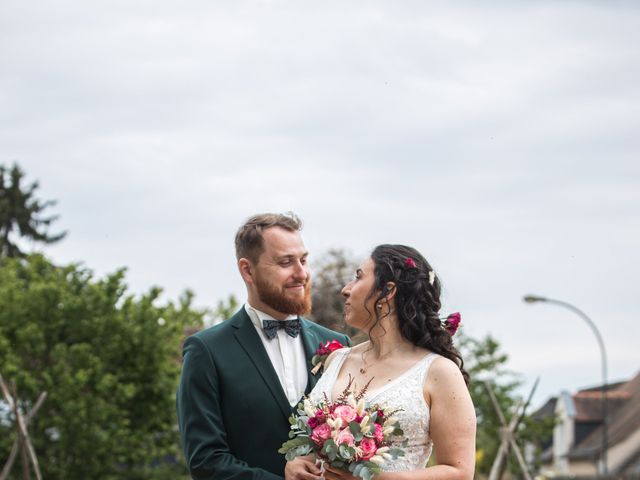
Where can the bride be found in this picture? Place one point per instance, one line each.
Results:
(410, 364)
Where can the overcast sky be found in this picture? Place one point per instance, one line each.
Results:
(500, 138)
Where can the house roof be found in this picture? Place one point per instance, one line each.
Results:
(588, 405)
(623, 405)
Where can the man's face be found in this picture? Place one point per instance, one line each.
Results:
(282, 279)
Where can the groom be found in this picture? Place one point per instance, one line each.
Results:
(241, 379)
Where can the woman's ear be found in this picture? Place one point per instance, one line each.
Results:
(391, 291)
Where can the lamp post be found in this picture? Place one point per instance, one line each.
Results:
(603, 355)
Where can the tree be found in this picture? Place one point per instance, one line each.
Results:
(224, 310)
(20, 211)
(110, 363)
(331, 273)
(485, 362)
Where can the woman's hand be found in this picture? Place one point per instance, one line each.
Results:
(331, 473)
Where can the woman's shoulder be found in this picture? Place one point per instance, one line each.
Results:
(336, 354)
(443, 373)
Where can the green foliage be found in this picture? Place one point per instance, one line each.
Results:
(20, 213)
(334, 269)
(485, 362)
(109, 362)
(225, 309)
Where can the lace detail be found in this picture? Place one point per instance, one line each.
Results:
(404, 392)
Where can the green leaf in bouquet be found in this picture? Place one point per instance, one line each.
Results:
(315, 359)
(330, 449)
(346, 452)
(293, 420)
(294, 443)
(338, 464)
(397, 430)
(358, 436)
(373, 467)
(302, 424)
(396, 452)
(354, 427)
(355, 468)
(300, 451)
(366, 474)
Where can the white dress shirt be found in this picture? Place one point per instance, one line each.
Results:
(286, 354)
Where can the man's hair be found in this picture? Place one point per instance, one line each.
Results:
(249, 241)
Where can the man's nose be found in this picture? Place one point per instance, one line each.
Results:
(301, 271)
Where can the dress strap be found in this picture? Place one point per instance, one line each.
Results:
(336, 362)
(426, 365)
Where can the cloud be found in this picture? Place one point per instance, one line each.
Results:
(498, 139)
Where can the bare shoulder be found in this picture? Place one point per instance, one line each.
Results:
(443, 369)
(444, 378)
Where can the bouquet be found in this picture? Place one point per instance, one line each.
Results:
(348, 434)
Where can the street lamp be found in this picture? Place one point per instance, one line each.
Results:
(603, 355)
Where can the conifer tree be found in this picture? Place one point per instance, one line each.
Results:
(21, 213)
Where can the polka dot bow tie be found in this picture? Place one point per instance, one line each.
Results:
(270, 327)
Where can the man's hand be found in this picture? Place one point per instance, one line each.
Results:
(302, 468)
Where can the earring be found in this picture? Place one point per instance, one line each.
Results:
(379, 305)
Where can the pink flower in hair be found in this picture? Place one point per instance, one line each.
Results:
(410, 263)
(452, 323)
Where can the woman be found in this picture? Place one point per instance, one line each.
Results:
(410, 364)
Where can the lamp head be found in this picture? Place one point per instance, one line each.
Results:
(533, 299)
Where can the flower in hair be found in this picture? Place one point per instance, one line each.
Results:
(410, 263)
(452, 323)
(432, 277)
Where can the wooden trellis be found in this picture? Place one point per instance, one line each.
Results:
(508, 435)
(22, 443)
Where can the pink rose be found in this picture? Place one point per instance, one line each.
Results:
(321, 434)
(369, 448)
(345, 436)
(320, 416)
(346, 413)
(378, 435)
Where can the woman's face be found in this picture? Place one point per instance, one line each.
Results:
(355, 293)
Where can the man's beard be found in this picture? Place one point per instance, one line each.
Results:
(274, 297)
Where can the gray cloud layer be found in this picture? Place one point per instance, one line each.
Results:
(500, 139)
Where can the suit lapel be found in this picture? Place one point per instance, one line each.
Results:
(310, 341)
(250, 341)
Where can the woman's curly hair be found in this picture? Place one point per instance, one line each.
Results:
(417, 299)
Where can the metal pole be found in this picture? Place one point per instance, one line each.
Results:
(603, 356)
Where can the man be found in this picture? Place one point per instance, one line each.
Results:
(241, 379)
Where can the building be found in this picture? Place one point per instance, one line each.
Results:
(577, 444)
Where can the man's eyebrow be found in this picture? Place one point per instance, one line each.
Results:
(289, 256)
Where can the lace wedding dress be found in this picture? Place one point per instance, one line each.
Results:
(404, 393)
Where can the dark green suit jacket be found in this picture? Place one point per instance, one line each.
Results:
(232, 410)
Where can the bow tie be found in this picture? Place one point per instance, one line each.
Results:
(270, 327)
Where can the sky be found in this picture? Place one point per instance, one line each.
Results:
(500, 138)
